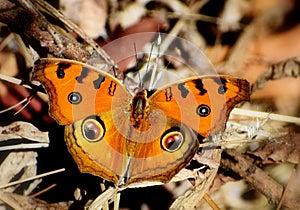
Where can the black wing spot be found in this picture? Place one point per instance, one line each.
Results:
(200, 87)
(222, 83)
(97, 83)
(168, 94)
(222, 90)
(112, 88)
(183, 90)
(61, 67)
(60, 73)
(64, 65)
(82, 75)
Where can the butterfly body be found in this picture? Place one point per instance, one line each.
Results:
(139, 108)
(129, 138)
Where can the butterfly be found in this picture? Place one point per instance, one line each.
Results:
(145, 136)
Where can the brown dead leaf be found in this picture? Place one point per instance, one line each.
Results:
(284, 149)
(23, 130)
(20, 202)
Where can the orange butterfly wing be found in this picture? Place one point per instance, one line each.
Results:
(77, 90)
(135, 157)
(202, 103)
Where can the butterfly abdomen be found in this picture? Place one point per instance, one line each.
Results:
(139, 109)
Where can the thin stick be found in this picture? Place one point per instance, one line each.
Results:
(258, 114)
(210, 202)
(190, 16)
(222, 143)
(24, 146)
(286, 188)
(10, 79)
(21, 82)
(32, 178)
(44, 190)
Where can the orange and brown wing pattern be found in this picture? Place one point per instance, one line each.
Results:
(202, 103)
(137, 156)
(127, 139)
(76, 90)
(98, 149)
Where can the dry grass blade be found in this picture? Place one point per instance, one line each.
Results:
(31, 178)
(25, 100)
(10, 79)
(265, 115)
(191, 199)
(101, 200)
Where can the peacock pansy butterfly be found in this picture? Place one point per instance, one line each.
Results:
(148, 136)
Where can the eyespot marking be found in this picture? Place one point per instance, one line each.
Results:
(171, 140)
(203, 110)
(60, 73)
(74, 98)
(93, 129)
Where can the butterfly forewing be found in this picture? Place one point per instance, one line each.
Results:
(202, 103)
(77, 90)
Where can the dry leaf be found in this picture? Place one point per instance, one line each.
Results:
(131, 14)
(23, 130)
(90, 15)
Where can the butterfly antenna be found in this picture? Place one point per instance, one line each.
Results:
(115, 71)
(149, 59)
(158, 45)
(148, 64)
(137, 61)
(155, 76)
